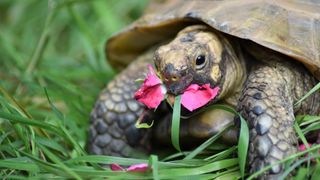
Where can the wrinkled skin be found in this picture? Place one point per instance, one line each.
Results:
(261, 86)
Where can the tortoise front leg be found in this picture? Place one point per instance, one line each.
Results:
(267, 105)
(112, 121)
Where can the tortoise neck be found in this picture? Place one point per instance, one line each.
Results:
(234, 70)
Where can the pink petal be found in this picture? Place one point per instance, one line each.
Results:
(152, 78)
(302, 147)
(151, 97)
(152, 92)
(116, 167)
(138, 167)
(196, 96)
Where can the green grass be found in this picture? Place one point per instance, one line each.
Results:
(52, 68)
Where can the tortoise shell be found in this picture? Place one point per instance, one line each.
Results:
(289, 27)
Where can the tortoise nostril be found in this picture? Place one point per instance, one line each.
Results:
(170, 73)
(174, 78)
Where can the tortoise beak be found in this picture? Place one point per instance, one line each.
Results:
(178, 85)
(175, 79)
(175, 88)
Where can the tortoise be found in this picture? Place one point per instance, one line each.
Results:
(264, 56)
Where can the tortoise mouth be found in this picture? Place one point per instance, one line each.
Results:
(176, 89)
(178, 86)
(194, 98)
(185, 113)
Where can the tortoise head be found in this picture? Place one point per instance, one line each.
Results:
(197, 55)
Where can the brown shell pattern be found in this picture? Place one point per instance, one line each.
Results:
(291, 27)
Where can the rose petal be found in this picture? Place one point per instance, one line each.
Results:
(152, 79)
(152, 92)
(151, 97)
(116, 167)
(302, 147)
(194, 87)
(138, 167)
(196, 96)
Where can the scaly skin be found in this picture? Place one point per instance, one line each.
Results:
(267, 103)
(263, 86)
(112, 120)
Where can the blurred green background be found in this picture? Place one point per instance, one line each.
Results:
(59, 44)
(55, 46)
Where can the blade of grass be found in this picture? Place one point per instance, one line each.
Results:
(107, 160)
(311, 127)
(46, 166)
(10, 49)
(122, 161)
(302, 174)
(316, 173)
(207, 143)
(105, 174)
(175, 155)
(70, 138)
(175, 128)
(4, 136)
(51, 144)
(154, 165)
(62, 83)
(243, 145)
(26, 121)
(19, 165)
(222, 154)
(304, 141)
(243, 142)
(190, 162)
(307, 119)
(211, 167)
(81, 23)
(55, 159)
(10, 147)
(231, 175)
(53, 107)
(13, 101)
(314, 89)
(105, 9)
(44, 37)
(295, 165)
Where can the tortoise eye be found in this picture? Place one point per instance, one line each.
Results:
(200, 62)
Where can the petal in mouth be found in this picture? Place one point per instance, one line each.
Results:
(152, 91)
(196, 96)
